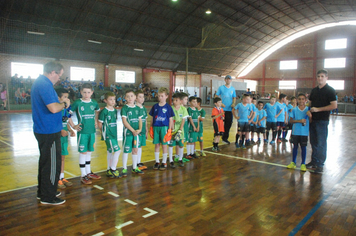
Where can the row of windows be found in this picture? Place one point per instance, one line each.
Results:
(292, 84)
(76, 73)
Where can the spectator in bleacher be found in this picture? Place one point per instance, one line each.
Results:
(346, 98)
(23, 96)
(18, 97)
(118, 87)
(351, 98)
(14, 80)
(28, 95)
(101, 85)
(112, 87)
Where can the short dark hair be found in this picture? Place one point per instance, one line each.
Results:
(87, 86)
(292, 98)
(282, 95)
(183, 95)
(109, 94)
(246, 95)
(217, 99)
(192, 98)
(129, 91)
(198, 99)
(176, 95)
(323, 71)
(60, 91)
(139, 92)
(302, 94)
(53, 66)
(259, 102)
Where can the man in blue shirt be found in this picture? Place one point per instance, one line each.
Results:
(228, 97)
(47, 126)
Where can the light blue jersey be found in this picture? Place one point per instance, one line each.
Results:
(283, 107)
(244, 111)
(271, 112)
(261, 113)
(289, 108)
(255, 110)
(299, 128)
(227, 95)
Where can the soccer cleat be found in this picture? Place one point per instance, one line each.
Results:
(185, 159)
(85, 180)
(189, 156)
(258, 142)
(137, 171)
(202, 154)
(318, 169)
(66, 182)
(291, 165)
(124, 173)
(266, 141)
(172, 165)
(141, 166)
(109, 173)
(311, 165)
(253, 142)
(163, 166)
(237, 145)
(55, 201)
(93, 176)
(218, 149)
(194, 155)
(176, 159)
(284, 140)
(272, 142)
(156, 166)
(214, 149)
(303, 167)
(61, 184)
(116, 173)
(180, 163)
(279, 141)
(243, 146)
(57, 195)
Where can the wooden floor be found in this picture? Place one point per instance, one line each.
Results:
(234, 192)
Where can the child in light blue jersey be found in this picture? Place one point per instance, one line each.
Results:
(282, 119)
(300, 118)
(261, 116)
(292, 104)
(244, 113)
(253, 127)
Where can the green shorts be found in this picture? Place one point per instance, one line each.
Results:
(158, 134)
(193, 137)
(142, 139)
(86, 142)
(64, 146)
(186, 136)
(174, 143)
(112, 145)
(129, 142)
(200, 136)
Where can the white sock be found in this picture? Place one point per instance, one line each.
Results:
(115, 159)
(82, 164)
(170, 151)
(157, 157)
(125, 156)
(87, 162)
(189, 149)
(164, 159)
(139, 155)
(61, 176)
(181, 150)
(134, 161)
(109, 159)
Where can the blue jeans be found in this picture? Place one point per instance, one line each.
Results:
(318, 136)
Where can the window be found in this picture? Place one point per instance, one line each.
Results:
(335, 44)
(287, 84)
(251, 84)
(79, 73)
(336, 84)
(288, 65)
(335, 63)
(26, 69)
(122, 76)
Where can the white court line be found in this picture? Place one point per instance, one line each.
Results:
(113, 194)
(68, 173)
(7, 143)
(98, 187)
(131, 202)
(98, 234)
(151, 212)
(124, 224)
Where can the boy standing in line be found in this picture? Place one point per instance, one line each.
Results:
(244, 112)
(218, 116)
(86, 110)
(65, 132)
(193, 127)
(290, 107)
(140, 99)
(108, 126)
(202, 114)
(300, 118)
(261, 116)
(161, 127)
(132, 121)
(282, 119)
(253, 124)
(184, 100)
(180, 114)
(271, 110)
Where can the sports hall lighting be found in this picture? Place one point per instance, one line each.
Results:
(208, 12)
(285, 41)
(93, 41)
(36, 33)
(174, 0)
(138, 49)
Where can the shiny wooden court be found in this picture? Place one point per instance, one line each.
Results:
(233, 192)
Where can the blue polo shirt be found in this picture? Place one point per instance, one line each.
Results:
(227, 95)
(42, 94)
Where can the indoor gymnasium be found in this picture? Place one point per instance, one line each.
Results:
(177, 117)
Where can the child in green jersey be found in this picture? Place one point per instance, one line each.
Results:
(200, 133)
(132, 120)
(65, 132)
(180, 114)
(108, 127)
(140, 98)
(193, 127)
(87, 111)
(184, 101)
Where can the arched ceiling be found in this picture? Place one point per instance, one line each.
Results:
(224, 42)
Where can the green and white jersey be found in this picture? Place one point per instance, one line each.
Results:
(144, 119)
(64, 123)
(132, 115)
(85, 112)
(194, 114)
(179, 115)
(109, 127)
(186, 123)
(202, 114)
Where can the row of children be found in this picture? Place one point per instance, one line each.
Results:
(171, 126)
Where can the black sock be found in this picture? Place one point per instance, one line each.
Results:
(237, 138)
(267, 135)
(243, 138)
(274, 135)
(279, 133)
